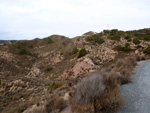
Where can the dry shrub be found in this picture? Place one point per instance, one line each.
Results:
(36, 109)
(111, 98)
(125, 76)
(125, 67)
(89, 88)
(139, 58)
(55, 104)
(77, 108)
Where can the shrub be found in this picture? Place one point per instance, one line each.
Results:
(30, 46)
(49, 69)
(147, 50)
(136, 41)
(56, 103)
(77, 108)
(49, 40)
(119, 48)
(147, 38)
(24, 52)
(55, 86)
(128, 38)
(114, 37)
(75, 50)
(82, 53)
(113, 31)
(124, 67)
(95, 39)
(106, 31)
(126, 48)
(89, 90)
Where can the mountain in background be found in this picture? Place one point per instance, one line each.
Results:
(7, 41)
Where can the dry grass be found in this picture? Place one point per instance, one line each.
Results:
(55, 104)
(77, 108)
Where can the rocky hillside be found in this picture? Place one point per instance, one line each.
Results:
(33, 71)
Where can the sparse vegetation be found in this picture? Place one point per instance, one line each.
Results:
(24, 52)
(55, 86)
(128, 38)
(49, 40)
(75, 50)
(147, 50)
(95, 39)
(82, 53)
(56, 103)
(38, 69)
(49, 69)
(136, 41)
(126, 48)
(147, 38)
(114, 37)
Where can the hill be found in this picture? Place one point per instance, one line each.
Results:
(34, 73)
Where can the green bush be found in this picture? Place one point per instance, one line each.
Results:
(55, 86)
(95, 39)
(82, 53)
(147, 50)
(119, 48)
(49, 69)
(24, 52)
(49, 40)
(128, 38)
(126, 48)
(75, 50)
(147, 38)
(106, 31)
(114, 37)
(113, 31)
(136, 41)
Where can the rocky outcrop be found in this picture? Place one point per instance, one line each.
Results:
(79, 68)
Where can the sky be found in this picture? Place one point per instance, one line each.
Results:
(29, 19)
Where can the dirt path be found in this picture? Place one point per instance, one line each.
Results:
(137, 93)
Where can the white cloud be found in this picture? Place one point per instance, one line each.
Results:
(29, 18)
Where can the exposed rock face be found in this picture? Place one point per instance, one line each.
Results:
(80, 68)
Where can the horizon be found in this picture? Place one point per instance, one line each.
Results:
(29, 19)
(70, 37)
